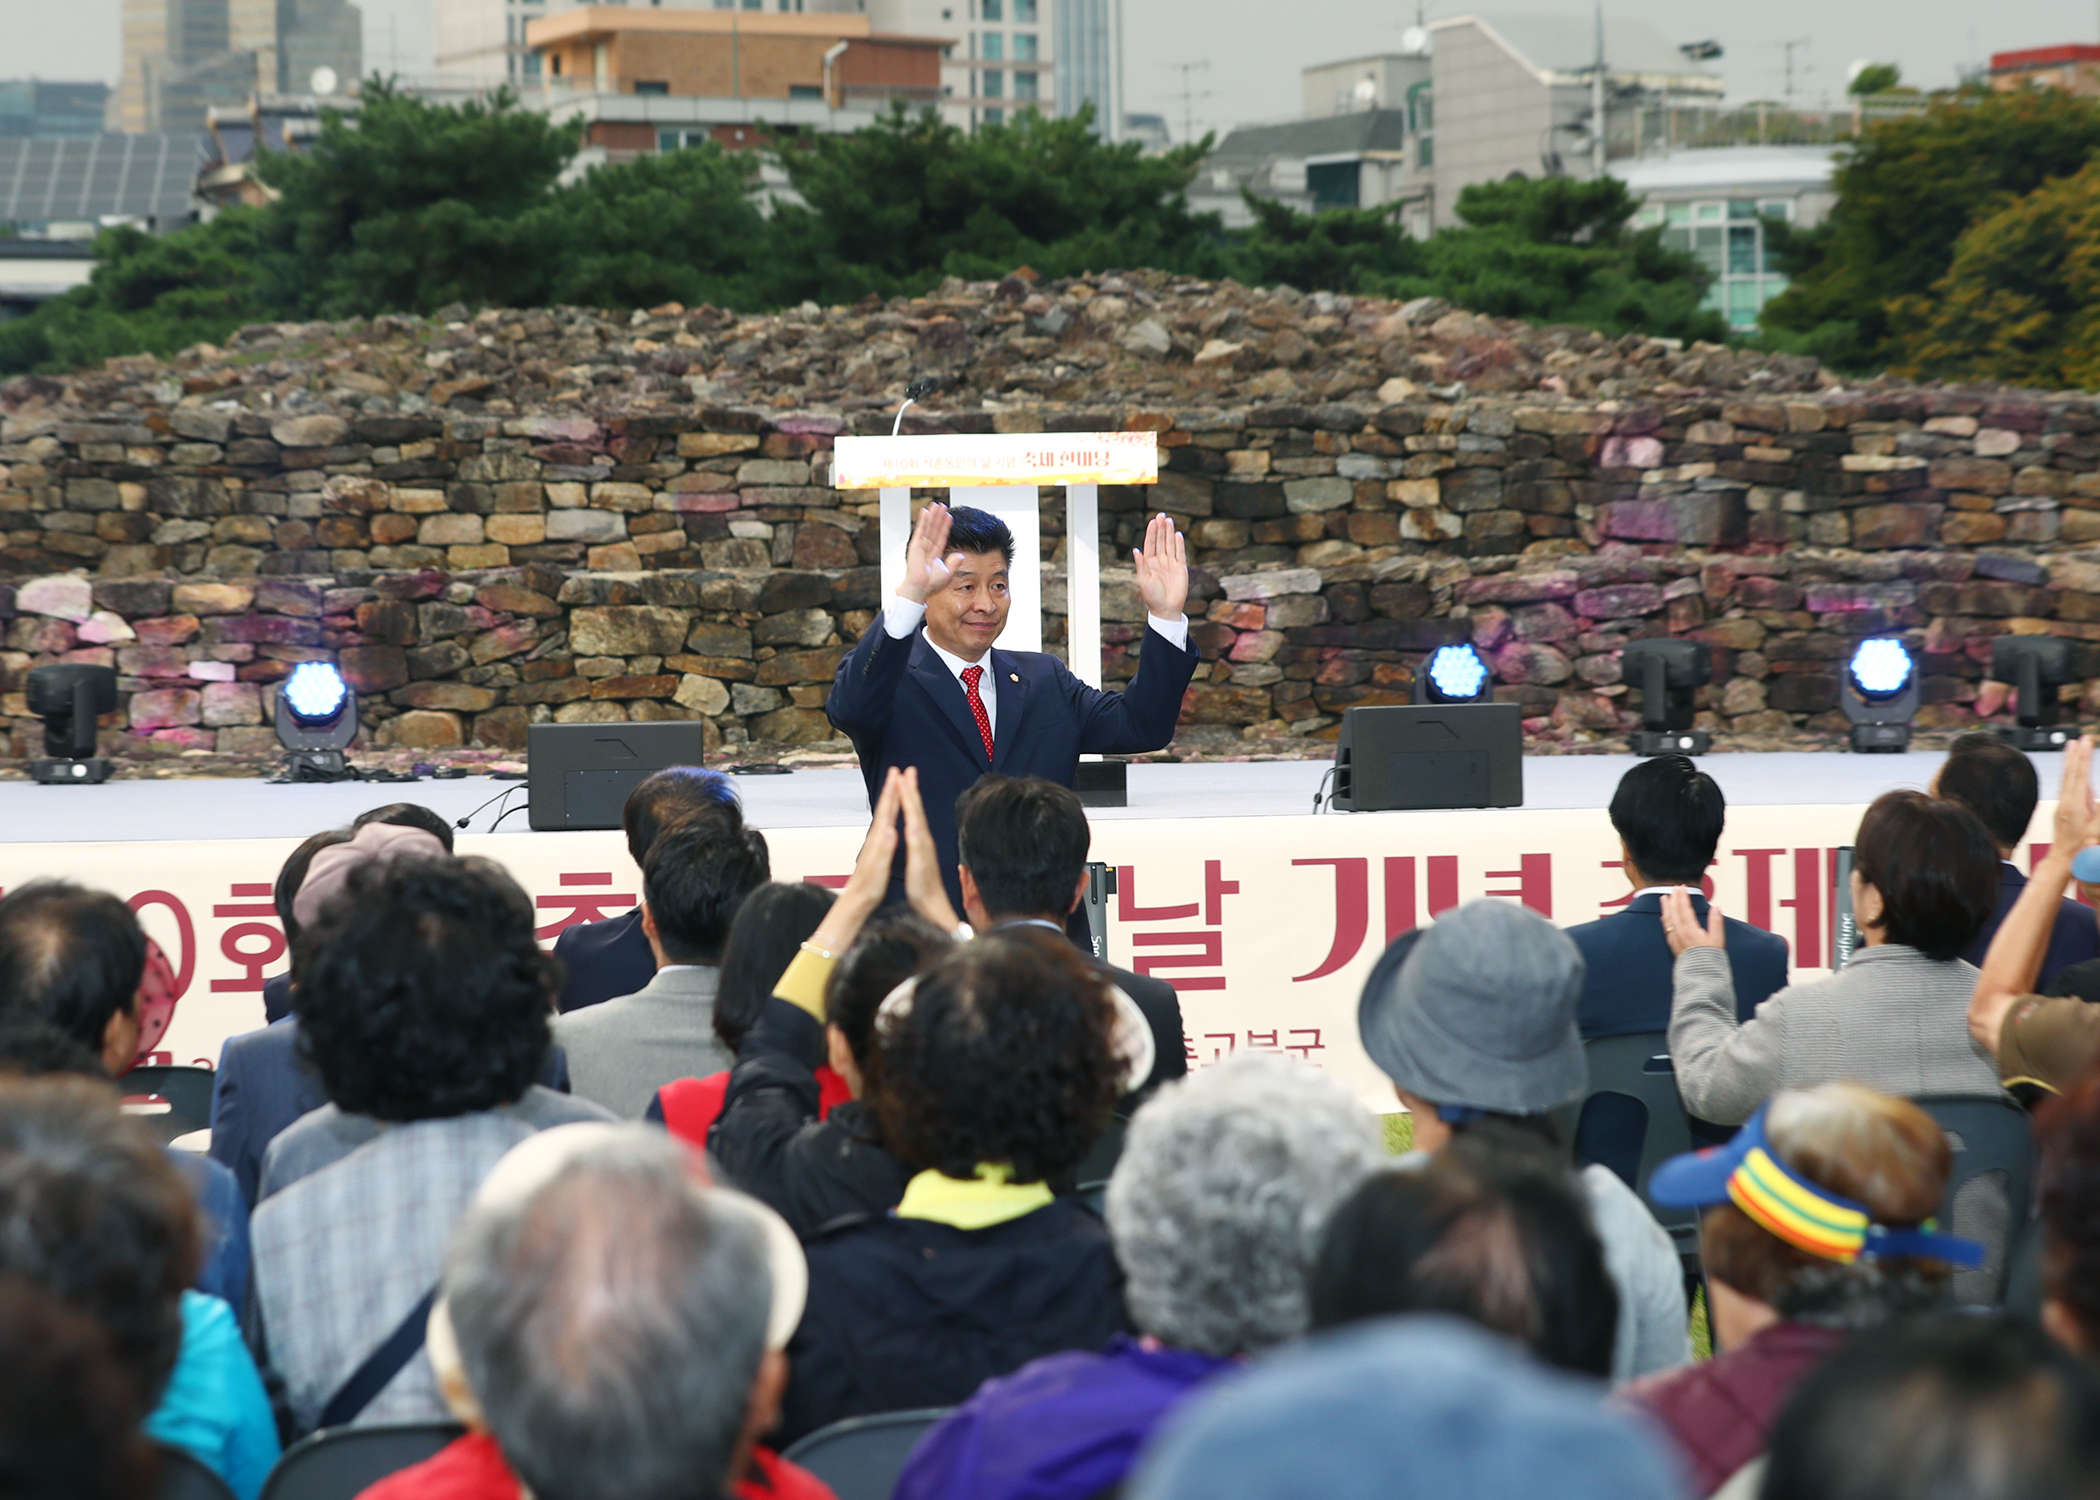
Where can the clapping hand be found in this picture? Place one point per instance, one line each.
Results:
(1163, 570)
(926, 568)
(1681, 923)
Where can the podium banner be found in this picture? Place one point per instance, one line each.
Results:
(948, 460)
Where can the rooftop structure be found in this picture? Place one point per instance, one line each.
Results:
(2074, 68)
(141, 178)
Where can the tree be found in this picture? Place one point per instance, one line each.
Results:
(1874, 78)
(1338, 249)
(901, 203)
(410, 206)
(2021, 301)
(1905, 194)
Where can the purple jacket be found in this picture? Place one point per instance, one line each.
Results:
(1066, 1427)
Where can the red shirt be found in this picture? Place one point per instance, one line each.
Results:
(692, 1105)
(472, 1468)
(1721, 1412)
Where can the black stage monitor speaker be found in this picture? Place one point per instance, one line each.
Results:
(1432, 755)
(579, 775)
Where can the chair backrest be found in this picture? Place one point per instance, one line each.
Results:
(339, 1463)
(861, 1457)
(1638, 1068)
(186, 1090)
(183, 1477)
(1990, 1193)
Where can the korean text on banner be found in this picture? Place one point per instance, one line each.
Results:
(944, 461)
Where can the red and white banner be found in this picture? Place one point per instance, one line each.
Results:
(1266, 926)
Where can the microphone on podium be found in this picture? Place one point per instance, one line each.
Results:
(918, 390)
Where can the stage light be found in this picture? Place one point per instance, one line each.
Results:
(1453, 674)
(2036, 666)
(69, 697)
(1879, 693)
(316, 717)
(1669, 673)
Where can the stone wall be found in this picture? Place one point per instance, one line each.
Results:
(475, 572)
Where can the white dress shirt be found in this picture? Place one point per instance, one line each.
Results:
(900, 617)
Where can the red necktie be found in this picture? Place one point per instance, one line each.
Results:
(971, 677)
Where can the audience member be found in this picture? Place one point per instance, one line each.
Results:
(1484, 1235)
(262, 1083)
(616, 1363)
(1998, 783)
(2041, 1043)
(1216, 1209)
(1669, 816)
(68, 1412)
(1023, 845)
(1474, 1021)
(1949, 1407)
(1811, 1233)
(93, 1212)
(1000, 1065)
(1421, 1408)
(1924, 881)
(425, 1005)
(75, 958)
(621, 1051)
(602, 960)
(770, 928)
(2069, 1130)
(277, 989)
(408, 815)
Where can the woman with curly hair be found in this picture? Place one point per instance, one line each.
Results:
(425, 1006)
(998, 1067)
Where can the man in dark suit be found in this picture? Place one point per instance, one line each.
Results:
(605, 960)
(1998, 784)
(1669, 816)
(923, 687)
(1023, 846)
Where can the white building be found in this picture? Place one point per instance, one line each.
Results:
(1715, 202)
(1090, 51)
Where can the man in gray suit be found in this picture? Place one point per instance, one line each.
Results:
(621, 1052)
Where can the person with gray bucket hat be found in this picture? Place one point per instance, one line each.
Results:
(1473, 1019)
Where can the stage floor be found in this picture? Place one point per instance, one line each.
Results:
(178, 810)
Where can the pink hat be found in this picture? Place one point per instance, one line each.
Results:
(384, 842)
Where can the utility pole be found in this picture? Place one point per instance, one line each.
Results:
(1597, 120)
(1787, 49)
(1189, 95)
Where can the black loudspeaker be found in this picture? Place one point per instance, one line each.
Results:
(579, 775)
(1434, 755)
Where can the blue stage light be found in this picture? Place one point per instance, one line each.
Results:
(1457, 674)
(315, 692)
(1880, 669)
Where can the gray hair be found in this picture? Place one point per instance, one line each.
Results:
(611, 1324)
(1221, 1196)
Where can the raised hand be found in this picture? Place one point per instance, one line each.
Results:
(922, 861)
(1681, 923)
(925, 559)
(2077, 821)
(1163, 570)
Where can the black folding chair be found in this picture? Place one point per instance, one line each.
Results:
(183, 1477)
(1990, 1195)
(1091, 1177)
(861, 1457)
(339, 1463)
(186, 1093)
(1635, 1073)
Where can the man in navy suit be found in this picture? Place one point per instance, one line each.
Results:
(1998, 784)
(923, 686)
(1669, 816)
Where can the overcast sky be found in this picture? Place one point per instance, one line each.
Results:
(1254, 48)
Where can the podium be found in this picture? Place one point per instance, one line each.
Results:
(1003, 474)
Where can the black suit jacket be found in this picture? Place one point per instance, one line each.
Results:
(603, 960)
(901, 706)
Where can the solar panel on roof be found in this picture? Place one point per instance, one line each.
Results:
(146, 175)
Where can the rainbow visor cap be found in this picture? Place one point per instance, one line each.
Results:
(1748, 1173)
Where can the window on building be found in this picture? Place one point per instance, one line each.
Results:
(532, 65)
(1334, 184)
(994, 83)
(1729, 238)
(992, 46)
(1025, 86)
(651, 86)
(554, 64)
(995, 117)
(991, 10)
(805, 91)
(1024, 46)
(1425, 152)
(1024, 12)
